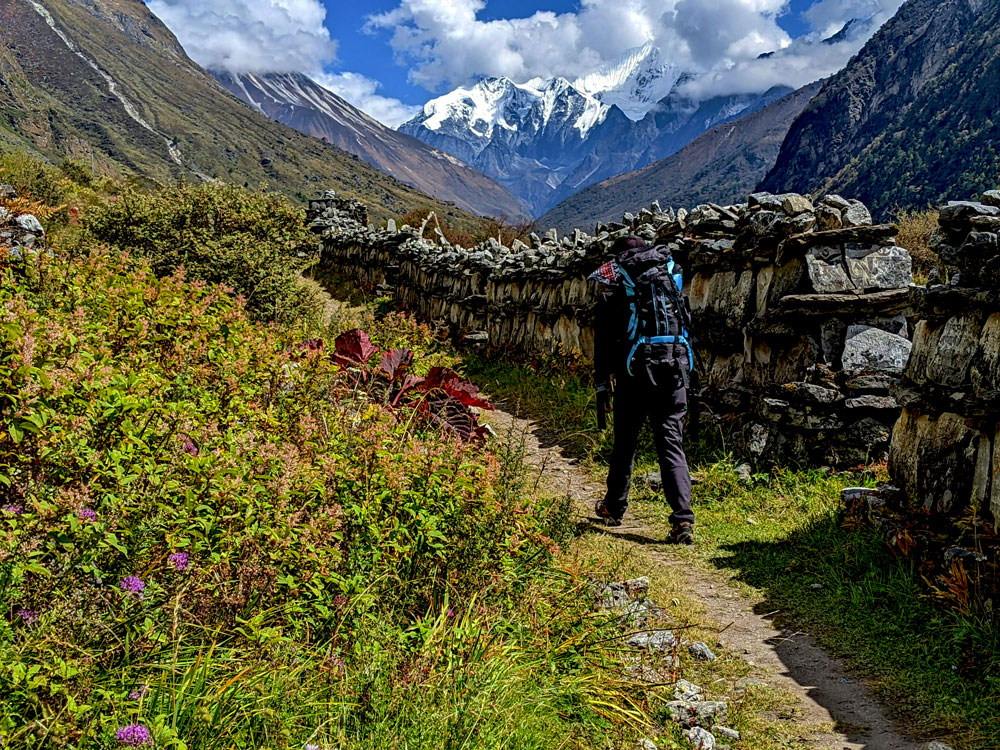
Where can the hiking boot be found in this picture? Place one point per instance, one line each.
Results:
(682, 533)
(601, 509)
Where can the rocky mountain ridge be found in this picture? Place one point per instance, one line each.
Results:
(911, 119)
(718, 166)
(105, 81)
(297, 101)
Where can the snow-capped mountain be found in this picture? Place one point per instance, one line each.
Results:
(548, 138)
(634, 83)
(296, 100)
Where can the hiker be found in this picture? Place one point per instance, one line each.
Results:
(642, 354)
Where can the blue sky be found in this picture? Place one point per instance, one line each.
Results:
(389, 57)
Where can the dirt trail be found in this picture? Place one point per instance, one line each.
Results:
(830, 695)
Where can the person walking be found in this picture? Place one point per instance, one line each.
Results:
(643, 357)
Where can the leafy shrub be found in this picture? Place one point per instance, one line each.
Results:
(195, 507)
(31, 177)
(254, 242)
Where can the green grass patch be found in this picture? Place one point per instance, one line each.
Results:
(784, 533)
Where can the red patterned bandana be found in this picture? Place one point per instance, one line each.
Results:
(606, 274)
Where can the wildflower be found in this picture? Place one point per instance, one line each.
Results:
(339, 600)
(451, 612)
(188, 446)
(132, 585)
(311, 747)
(134, 735)
(138, 694)
(17, 510)
(87, 514)
(28, 616)
(180, 560)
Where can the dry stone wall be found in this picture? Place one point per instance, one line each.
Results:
(801, 311)
(946, 447)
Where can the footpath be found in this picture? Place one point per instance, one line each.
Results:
(831, 707)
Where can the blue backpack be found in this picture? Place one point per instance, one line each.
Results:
(658, 316)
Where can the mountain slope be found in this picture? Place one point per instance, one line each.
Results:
(912, 119)
(106, 80)
(720, 166)
(296, 100)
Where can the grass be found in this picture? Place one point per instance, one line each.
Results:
(754, 709)
(915, 230)
(784, 533)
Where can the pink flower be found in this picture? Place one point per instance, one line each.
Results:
(451, 612)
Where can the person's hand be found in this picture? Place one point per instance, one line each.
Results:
(604, 404)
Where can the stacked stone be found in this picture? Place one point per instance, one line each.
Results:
(946, 447)
(20, 232)
(532, 297)
(830, 331)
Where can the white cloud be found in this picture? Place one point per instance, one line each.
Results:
(446, 44)
(362, 93)
(259, 36)
(272, 36)
(829, 16)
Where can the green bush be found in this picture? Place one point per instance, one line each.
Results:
(206, 523)
(253, 242)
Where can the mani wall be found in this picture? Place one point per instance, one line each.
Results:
(945, 456)
(801, 310)
(804, 314)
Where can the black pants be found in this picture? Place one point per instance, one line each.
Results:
(635, 401)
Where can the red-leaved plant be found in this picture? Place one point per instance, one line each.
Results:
(443, 395)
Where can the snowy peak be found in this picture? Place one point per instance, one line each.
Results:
(634, 83)
(546, 138)
(476, 114)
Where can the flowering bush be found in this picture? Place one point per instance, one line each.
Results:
(189, 496)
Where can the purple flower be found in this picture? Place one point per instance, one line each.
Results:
(180, 561)
(339, 600)
(87, 514)
(17, 510)
(311, 747)
(28, 616)
(138, 693)
(451, 612)
(188, 446)
(132, 585)
(134, 735)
